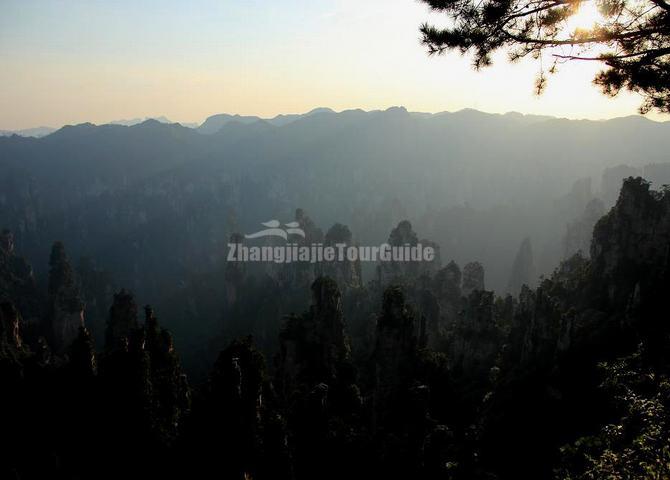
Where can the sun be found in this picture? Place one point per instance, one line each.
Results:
(587, 17)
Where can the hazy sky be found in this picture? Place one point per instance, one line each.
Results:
(64, 62)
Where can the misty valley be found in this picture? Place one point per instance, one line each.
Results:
(532, 342)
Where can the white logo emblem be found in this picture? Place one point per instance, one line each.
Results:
(274, 229)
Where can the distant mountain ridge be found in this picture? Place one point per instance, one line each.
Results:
(365, 169)
(38, 132)
(28, 132)
(214, 123)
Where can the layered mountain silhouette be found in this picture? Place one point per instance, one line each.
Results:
(357, 163)
(154, 204)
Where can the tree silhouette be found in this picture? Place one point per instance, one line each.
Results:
(631, 39)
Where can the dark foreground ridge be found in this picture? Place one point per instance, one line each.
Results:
(421, 374)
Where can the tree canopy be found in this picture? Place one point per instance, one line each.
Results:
(631, 38)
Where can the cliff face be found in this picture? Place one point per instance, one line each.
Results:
(395, 350)
(630, 256)
(633, 238)
(439, 305)
(97, 292)
(523, 269)
(18, 286)
(171, 392)
(141, 374)
(476, 337)
(616, 295)
(587, 312)
(122, 321)
(66, 309)
(316, 385)
(313, 346)
(228, 416)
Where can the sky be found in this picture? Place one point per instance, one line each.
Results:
(74, 61)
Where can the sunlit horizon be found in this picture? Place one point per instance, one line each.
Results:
(76, 62)
(133, 120)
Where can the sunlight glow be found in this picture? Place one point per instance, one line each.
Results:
(587, 17)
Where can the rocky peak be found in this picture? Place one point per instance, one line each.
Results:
(338, 233)
(122, 321)
(630, 255)
(403, 234)
(61, 274)
(299, 275)
(150, 320)
(327, 300)
(313, 345)
(66, 308)
(612, 179)
(158, 341)
(476, 338)
(635, 233)
(327, 310)
(82, 354)
(347, 274)
(431, 328)
(395, 351)
(238, 374)
(403, 271)
(446, 288)
(473, 278)
(18, 287)
(523, 268)
(448, 282)
(313, 234)
(395, 315)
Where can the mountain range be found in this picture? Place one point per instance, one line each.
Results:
(155, 203)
